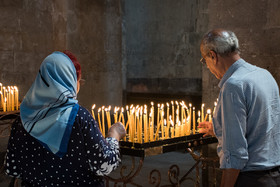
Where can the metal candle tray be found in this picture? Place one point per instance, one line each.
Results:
(164, 146)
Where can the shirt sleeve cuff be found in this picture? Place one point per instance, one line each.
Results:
(228, 161)
(114, 143)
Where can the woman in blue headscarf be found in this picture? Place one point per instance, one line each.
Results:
(56, 142)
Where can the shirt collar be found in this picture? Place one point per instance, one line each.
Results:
(230, 71)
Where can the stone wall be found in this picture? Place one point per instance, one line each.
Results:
(160, 46)
(30, 30)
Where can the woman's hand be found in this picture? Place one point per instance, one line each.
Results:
(206, 128)
(117, 131)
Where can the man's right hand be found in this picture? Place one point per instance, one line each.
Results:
(206, 128)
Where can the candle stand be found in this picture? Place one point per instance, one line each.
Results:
(189, 143)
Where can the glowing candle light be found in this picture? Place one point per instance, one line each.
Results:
(127, 113)
(2, 99)
(158, 114)
(198, 119)
(12, 100)
(173, 112)
(99, 122)
(209, 115)
(5, 104)
(202, 111)
(190, 117)
(172, 129)
(116, 114)
(152, 119)
(215, 104)
(108, 114)
(103, 121)
(145, 125)
(151, 127)
(194, 120)
(92, 111)
(168, 121)
(162, 121)
(16, 97)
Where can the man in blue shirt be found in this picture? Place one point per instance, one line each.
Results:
(246, 121)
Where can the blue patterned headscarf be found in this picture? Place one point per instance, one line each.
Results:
(49, 108)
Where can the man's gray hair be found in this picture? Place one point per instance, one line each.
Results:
(222, 42)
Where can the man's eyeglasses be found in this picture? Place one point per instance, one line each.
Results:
(203, 61)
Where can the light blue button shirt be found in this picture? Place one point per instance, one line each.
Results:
(247, 119)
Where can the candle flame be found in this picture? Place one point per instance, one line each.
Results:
(152, 103)
(145, 110)
(208, 111)
(215, 103)
(103, 107)
(177, 103)
(190, 105)
(167, 104)
(172, 102)
(199, 113)
(202, 105)
(122, 109)
(93, 106)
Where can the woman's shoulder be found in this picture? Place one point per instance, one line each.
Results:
(84, 117)
(83, 111)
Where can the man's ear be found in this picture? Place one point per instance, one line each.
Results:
(214, 56)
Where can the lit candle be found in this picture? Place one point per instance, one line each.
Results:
(152, 119)
(13, 100)
(145, 125)
(92, 111)
(5, 104)
(103, 121)
(190, 117)
(151, 127)
(108, 113)
(198, 120)
(194, 120)
(116, 114)
(202, 111)
(172, 129)
(2, 99)
(209, 115)
(182, 119)
(99, 123)
(16, 97)
(162, 121)
(178, 124)
(173, 112)
(215, 104)
(1, 87)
